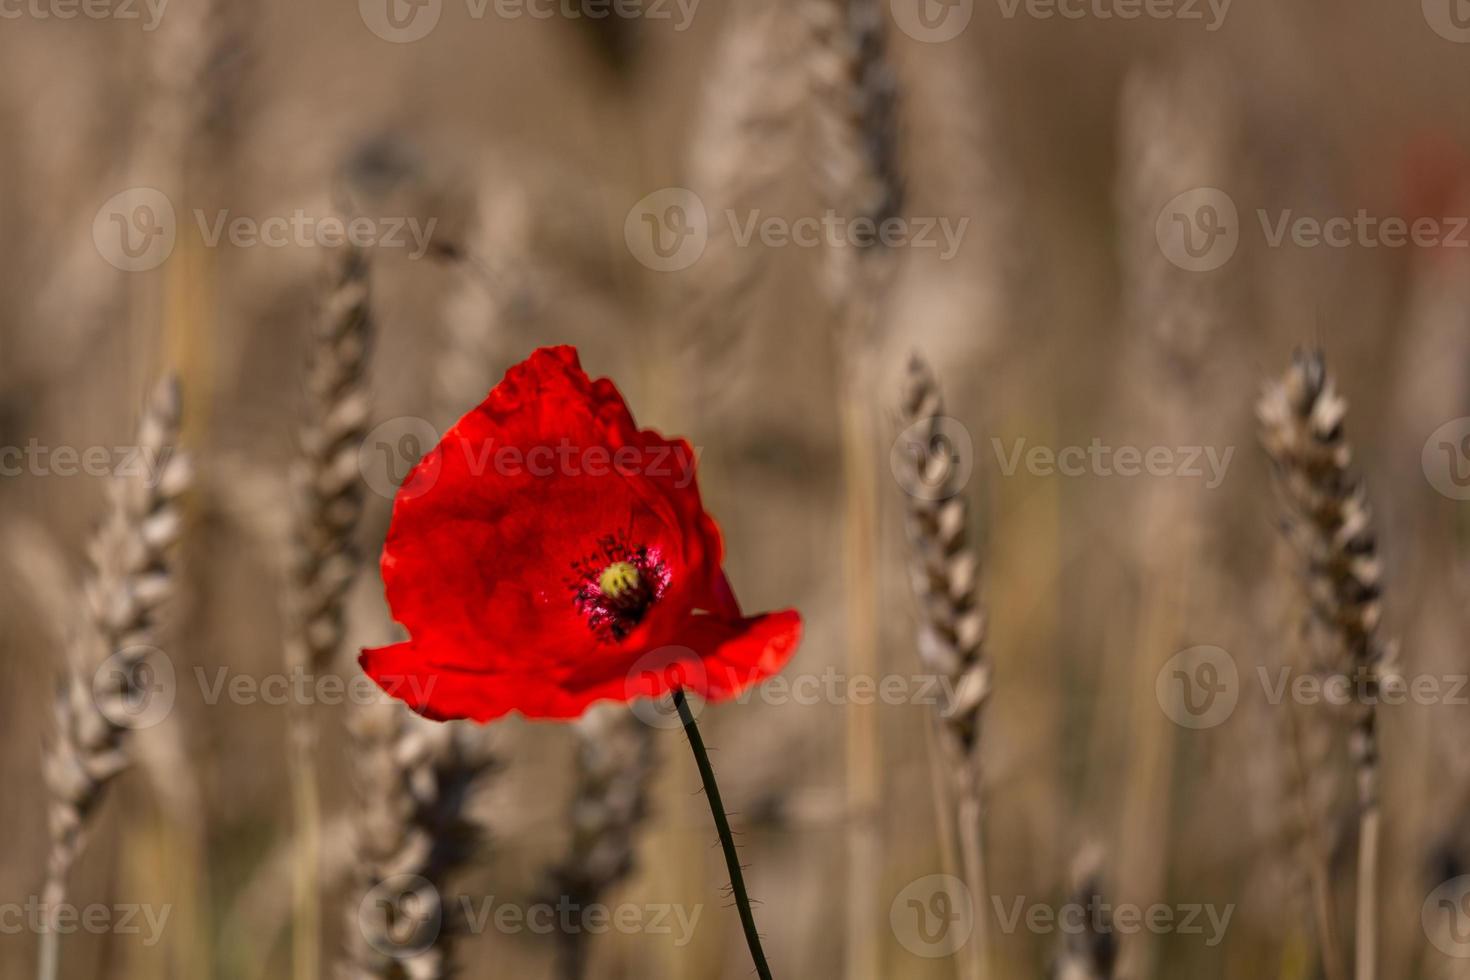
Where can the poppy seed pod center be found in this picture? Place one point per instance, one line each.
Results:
(619, 578)
(616, 593)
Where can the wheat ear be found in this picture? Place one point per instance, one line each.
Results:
(944, 575)
(414, 778)
(1089, 953)
(615, 760)
(131, 579)
(1330, 526)
(329, 503)
(854, 99)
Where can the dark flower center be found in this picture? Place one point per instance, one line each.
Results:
(616, 587)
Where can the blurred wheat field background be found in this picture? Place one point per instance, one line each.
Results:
(1080, 522)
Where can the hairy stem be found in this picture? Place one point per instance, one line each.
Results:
(727, 840)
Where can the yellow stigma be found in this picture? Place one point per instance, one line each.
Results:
(617, 579)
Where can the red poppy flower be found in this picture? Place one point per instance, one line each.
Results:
(548, 553)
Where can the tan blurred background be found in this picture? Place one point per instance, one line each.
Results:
(1058, 322)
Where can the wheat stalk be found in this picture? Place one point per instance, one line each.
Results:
(414, 778)
(329, 503)
(853, 104)
(1309, 781)
(615, 761)
(1175, 132)
(1329, 524)
(944, 575)
(745, 139)
(131, 579)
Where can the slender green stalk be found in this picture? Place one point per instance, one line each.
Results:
(727, 840)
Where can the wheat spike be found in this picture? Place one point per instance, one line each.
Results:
(1329, 524)
(414, 778)
(615, 761)
(328, 483)
(1090, 953)
(944, 575)
(324, 559)
(854, 99)
(131, 579)
(944, 571)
